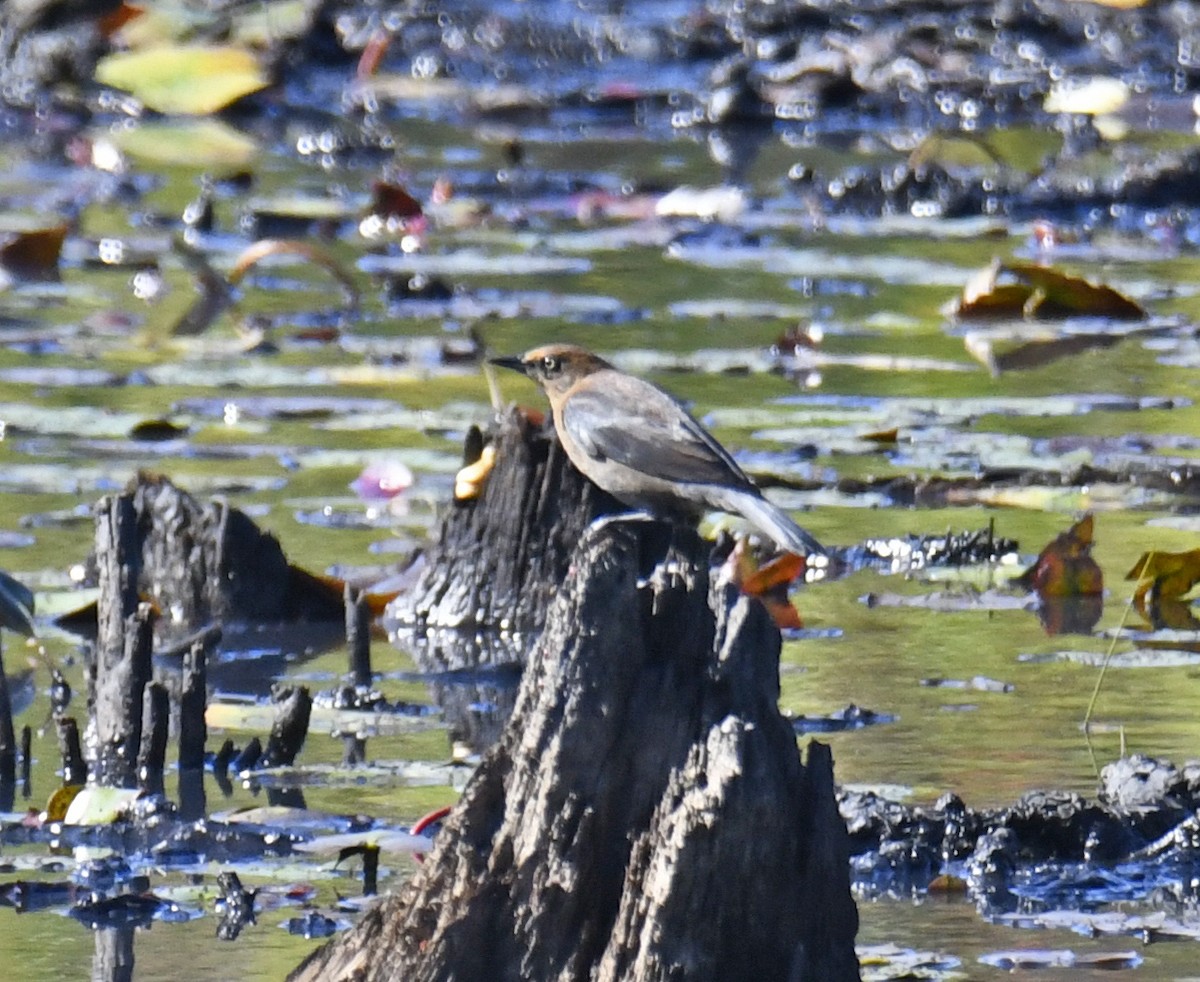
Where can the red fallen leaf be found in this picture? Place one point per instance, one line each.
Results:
(33, 255)
(114, 20)
(1164, 575)
(392, 201)
(1065, 568)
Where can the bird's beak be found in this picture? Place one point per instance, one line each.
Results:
(509, 361)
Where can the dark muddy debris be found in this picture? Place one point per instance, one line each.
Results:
(1048, 851)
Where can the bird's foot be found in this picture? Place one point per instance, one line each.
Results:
(606, 521)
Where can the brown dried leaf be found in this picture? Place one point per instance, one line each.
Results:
(1065, 568)
(33, 255)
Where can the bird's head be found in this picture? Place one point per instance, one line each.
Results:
(555, 367)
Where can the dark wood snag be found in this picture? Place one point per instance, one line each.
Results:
(358, 635)
(293, 707)
(193, 701)
(209, 563)
(74, 767)
(645, 814)
(26, 761)
(8, 744)
(120, 663)
(499, 559)
(156, 722)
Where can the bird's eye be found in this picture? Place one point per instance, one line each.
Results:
(549, 364)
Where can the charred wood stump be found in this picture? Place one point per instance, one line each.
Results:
(156, 721)
(74, 768)
(645, 815)
(206, 562)
(8, 744)
(120, 665)
(500, 557)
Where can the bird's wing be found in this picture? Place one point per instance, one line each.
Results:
(642, 427)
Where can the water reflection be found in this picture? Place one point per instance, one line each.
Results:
(113, 960)
(472, 676)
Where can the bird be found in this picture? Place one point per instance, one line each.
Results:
(638, 443)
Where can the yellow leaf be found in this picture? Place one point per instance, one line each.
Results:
(192, 80)
(60, 801)
(205, 144)
(1169, 574)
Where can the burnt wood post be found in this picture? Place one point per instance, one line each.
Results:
(8, 744)
(156, 723)
(74, 767)
(645, 814)
(121, 663)
(499, 559)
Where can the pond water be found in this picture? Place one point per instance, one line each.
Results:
(552, 233)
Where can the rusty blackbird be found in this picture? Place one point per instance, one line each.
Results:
(640, 445)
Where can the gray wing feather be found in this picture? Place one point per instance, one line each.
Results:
(653, 432)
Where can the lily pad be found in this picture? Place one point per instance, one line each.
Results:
(204, 144)
(186, 79)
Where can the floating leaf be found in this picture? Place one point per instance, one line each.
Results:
(154, 430)
(1065, 568)
(99, 805)
(192, 80)
(953, 154)
(33, 254)
(1039, 292)
(204, 144)
(1168, 575)
(60, 801)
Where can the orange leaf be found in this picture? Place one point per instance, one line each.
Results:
(783, 612)
(768, 582)
(780, 571)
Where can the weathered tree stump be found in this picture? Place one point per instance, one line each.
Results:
(499, 558)
(645, 814)
(8, 745)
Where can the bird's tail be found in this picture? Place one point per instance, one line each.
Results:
(772, 521)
